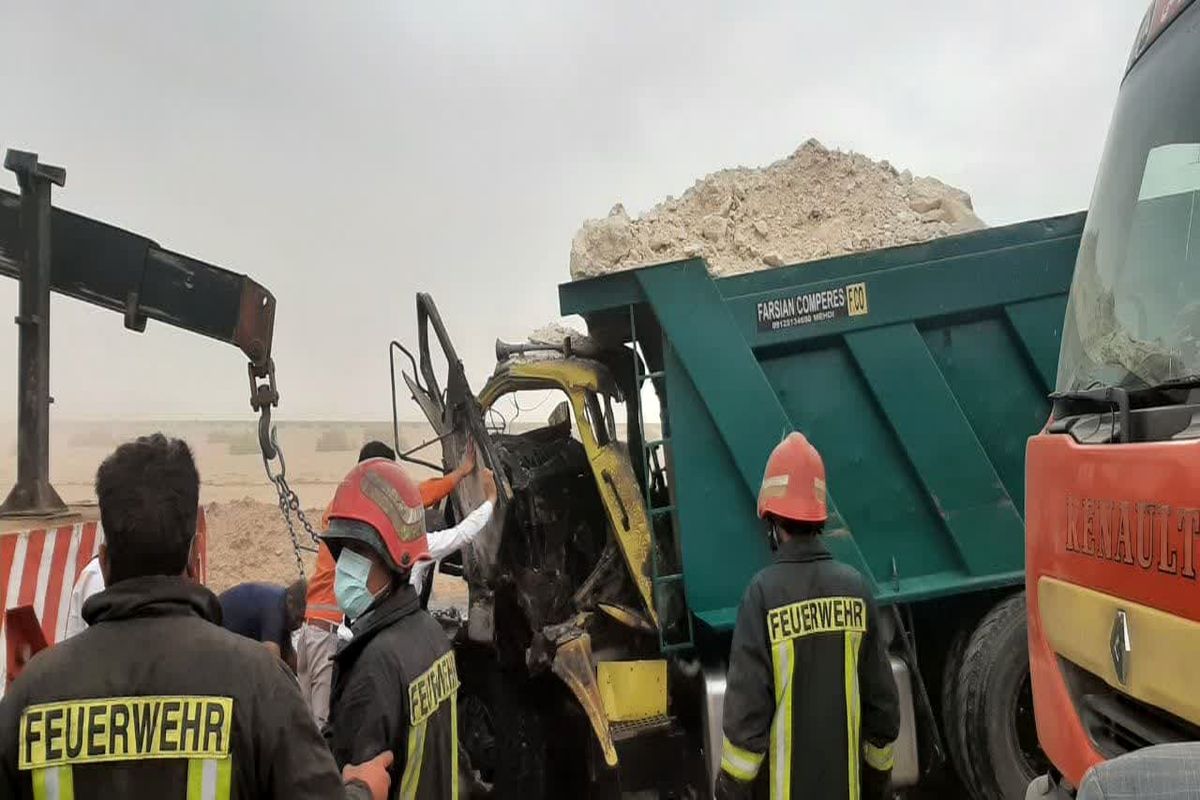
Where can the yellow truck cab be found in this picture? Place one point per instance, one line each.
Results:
(560, 652)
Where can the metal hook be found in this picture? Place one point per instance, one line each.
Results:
(272, 442)
(266, 435)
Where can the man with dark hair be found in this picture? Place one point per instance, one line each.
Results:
(266, 613)
(376, 449)
(153, 699)
(810, 691)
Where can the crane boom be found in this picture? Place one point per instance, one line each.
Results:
(49, 249)
(125, 272)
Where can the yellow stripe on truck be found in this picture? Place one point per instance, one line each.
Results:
(1078, 623)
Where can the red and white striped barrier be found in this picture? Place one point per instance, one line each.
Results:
(38, 568)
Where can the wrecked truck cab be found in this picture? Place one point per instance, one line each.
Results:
(560, 580)
(605, 494)
(563, 488)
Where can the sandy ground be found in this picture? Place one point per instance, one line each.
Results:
(248, 539)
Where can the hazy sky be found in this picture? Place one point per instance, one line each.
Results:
(348, 155)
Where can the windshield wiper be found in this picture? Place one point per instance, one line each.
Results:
(1113, 396)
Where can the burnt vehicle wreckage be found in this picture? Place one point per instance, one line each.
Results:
(559, 577)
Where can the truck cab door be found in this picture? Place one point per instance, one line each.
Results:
(456, 418)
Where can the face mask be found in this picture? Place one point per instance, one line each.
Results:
(350, 583)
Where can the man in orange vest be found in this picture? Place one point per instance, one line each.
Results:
(318, 640)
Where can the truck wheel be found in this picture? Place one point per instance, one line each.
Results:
(995, 706)
(956, 750)
(500, 728)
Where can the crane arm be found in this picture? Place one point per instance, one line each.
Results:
(130, 274)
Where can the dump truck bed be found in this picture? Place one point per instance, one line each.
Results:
(918, 372)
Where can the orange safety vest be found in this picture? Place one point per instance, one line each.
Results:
(322, 602)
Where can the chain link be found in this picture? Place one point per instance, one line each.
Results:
(289, 505)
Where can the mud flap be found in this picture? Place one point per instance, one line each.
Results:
(573, 666)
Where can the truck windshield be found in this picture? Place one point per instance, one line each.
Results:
(1133, 318)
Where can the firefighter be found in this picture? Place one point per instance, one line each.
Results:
(153, 699)
(395, 683)
(318, 638)
(810, 691)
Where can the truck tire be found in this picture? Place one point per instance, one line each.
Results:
(956, 750)
(995, 710)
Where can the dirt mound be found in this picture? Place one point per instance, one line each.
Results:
(248, 541)
(815, 203)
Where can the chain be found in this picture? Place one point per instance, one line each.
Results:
(263, 396)
(289, 504)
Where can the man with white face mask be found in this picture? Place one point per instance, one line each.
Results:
(316, 642)
(396, 681)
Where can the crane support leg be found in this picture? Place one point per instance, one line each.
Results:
(33, 494)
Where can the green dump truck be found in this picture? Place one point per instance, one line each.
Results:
(602, 596)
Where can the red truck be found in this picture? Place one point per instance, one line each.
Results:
(1112, 510)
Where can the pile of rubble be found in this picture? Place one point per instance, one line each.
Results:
(814, 204)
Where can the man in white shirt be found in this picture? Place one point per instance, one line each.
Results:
(443, 543)
(89, 582)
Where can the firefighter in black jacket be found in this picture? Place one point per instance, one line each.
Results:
(154, 699)
(395, 684)
(809, 689)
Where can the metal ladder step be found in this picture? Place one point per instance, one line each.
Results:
(656, 476)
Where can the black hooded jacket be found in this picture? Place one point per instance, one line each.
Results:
(810, 698)
(395, 686)
(155, 699)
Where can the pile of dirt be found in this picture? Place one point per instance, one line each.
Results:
(814, 204)
(248, 541)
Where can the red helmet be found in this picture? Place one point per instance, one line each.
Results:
(793, 485)
(379, 505)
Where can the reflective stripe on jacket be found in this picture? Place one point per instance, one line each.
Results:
(810, 692)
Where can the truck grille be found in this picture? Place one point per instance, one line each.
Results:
(1118, 723)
